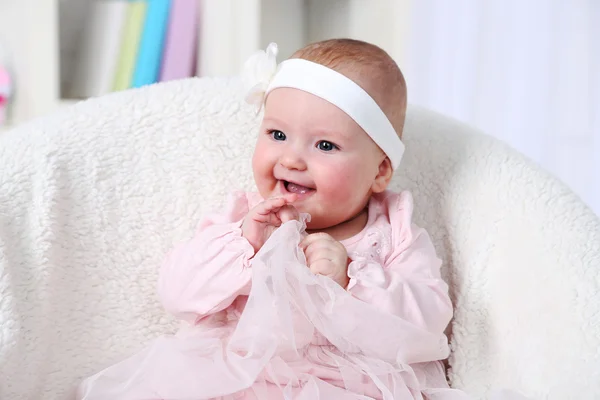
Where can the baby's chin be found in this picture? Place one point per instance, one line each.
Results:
(319, 224)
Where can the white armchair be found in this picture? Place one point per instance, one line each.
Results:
(92, 197)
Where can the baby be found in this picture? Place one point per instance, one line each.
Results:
(319, 286)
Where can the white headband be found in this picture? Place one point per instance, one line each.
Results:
(262, 73)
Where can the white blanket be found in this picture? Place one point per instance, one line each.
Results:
(92, 197)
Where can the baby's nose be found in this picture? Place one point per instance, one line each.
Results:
(292, 160)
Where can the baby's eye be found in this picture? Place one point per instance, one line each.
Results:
(278, 135)
(324, 145)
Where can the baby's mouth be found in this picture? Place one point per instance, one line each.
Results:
(292, 187)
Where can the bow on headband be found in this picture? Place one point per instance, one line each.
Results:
(257, 73)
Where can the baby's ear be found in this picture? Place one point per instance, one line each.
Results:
(383, 178)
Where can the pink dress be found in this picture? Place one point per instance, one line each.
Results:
(262, 326)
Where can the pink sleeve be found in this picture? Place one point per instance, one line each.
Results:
(409, 284)
(206, 274)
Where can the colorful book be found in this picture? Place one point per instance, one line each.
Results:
(180, 45)
(99, 50)
(130, 40)
(149, 57)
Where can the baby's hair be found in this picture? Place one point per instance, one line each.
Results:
(367, 65)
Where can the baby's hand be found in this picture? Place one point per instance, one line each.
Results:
(326, 256)
(263, 219)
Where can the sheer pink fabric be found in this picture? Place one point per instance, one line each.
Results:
(264, 327)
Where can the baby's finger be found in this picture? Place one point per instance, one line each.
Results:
(290, 197)
(270, 205)
(315, 237)
(275, 203)
(319, 248)
(288, 213)
(322, 266)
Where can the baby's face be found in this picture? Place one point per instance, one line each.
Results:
(308, 146)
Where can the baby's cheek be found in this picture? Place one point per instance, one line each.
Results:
(259, 153)
(262, 168)
(342, 185)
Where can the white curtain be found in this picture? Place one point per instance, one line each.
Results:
(526, 72)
